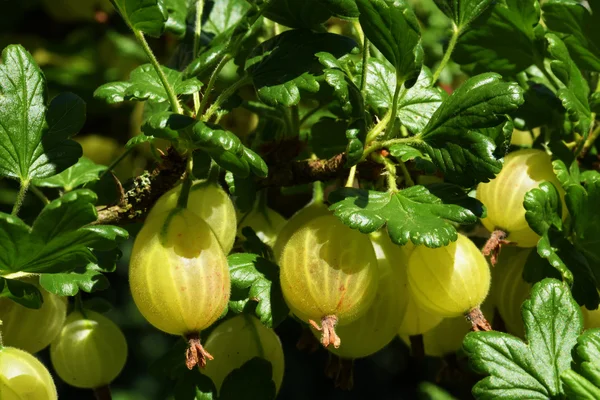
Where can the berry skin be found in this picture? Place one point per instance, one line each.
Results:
(30, 329)
(374, 330)
(297, 221)
(449, 281)
(267, 224)
(178, 273)
(23, 377)
(90, 351)
(211, 203)
(503, 196)
(328, 274)
(238, 340)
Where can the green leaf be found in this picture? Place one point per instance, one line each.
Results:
(21, 292)
(255, 288)
(285, 66)
(574, 95)
(144, 84)
(543, 208)
(346, 9)
(34, 138)
(252, 381)
(81, 173)
(301, 14)
(582, 203)
(581, 29)
(192, 385)
(552, 323)
(59, 239)
(393, 28)
(224, 14)
(453, 194)
(243, 191)
(355, 135)
(344, 90)
(137, 140)
(166, 125)
(147, 16)
(462, 12)
(503, 39)
(587, 356)
(430, 391)
(577, 387)
(454, 138)
(177, 12)
(405, 153)
(228, 151)
(413, 214)
(415, 106)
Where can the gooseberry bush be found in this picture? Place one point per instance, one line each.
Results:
(260, 199)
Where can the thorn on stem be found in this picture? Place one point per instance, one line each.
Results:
(327, 329)
(195, 353)
(494, 244)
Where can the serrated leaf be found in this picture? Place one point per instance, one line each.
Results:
(83, 172)
(543, 208)
(255, 279)
(574, 95)
(413, 214)
(454, 138)
(300, 14)
(453, 194)
(404, 152)
(137, 140)
(252, 381)
(192, 385)
(144, 84)
(393, 28)
(582, 203)
(243, 191)
(355, 135)
(462, 12)
(21, 292)
(167, 125)
(581, 29)
(587, 356)
(227, 150)
(345, 91)
(59, 239)
(552, 323)
(502, 39)
(224, 14)
(147, 16)
(177, 12)
(415, 106)
(346, 9)
(34, 138)
(577, 387)
(285, 66)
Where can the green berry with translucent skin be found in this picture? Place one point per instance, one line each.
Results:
(24, 377)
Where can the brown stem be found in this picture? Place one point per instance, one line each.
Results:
(494, 244)
(195, 353)
(341, 370)
(103, 393)
(417, 350)
(478, 320)
(327, 329)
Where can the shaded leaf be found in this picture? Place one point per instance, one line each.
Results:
(462, 12)
(252, 381)
(83, 172)
(147, 16)
(21, 292)
(224, 14)
(301, 14)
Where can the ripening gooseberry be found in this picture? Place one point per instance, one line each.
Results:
(90, 351)
(503, 197)
(509, 289)
(211, 203)
(178, 275)
(374, 330)
(267, 224)
(591, 318)
(414, 319)
(238, 340)
(297, 221)
(449, 281)
(328, 274)
(447, 336)
(30, 329)
(22, 376)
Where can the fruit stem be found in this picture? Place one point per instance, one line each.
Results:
(327, 329)
(447, 54)
(318, 192)
(1, 342)
(195, 353)
(351, 175)
(20, 197)
(494, 244)
(478, 320)
(103, 393)
(187, 184)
